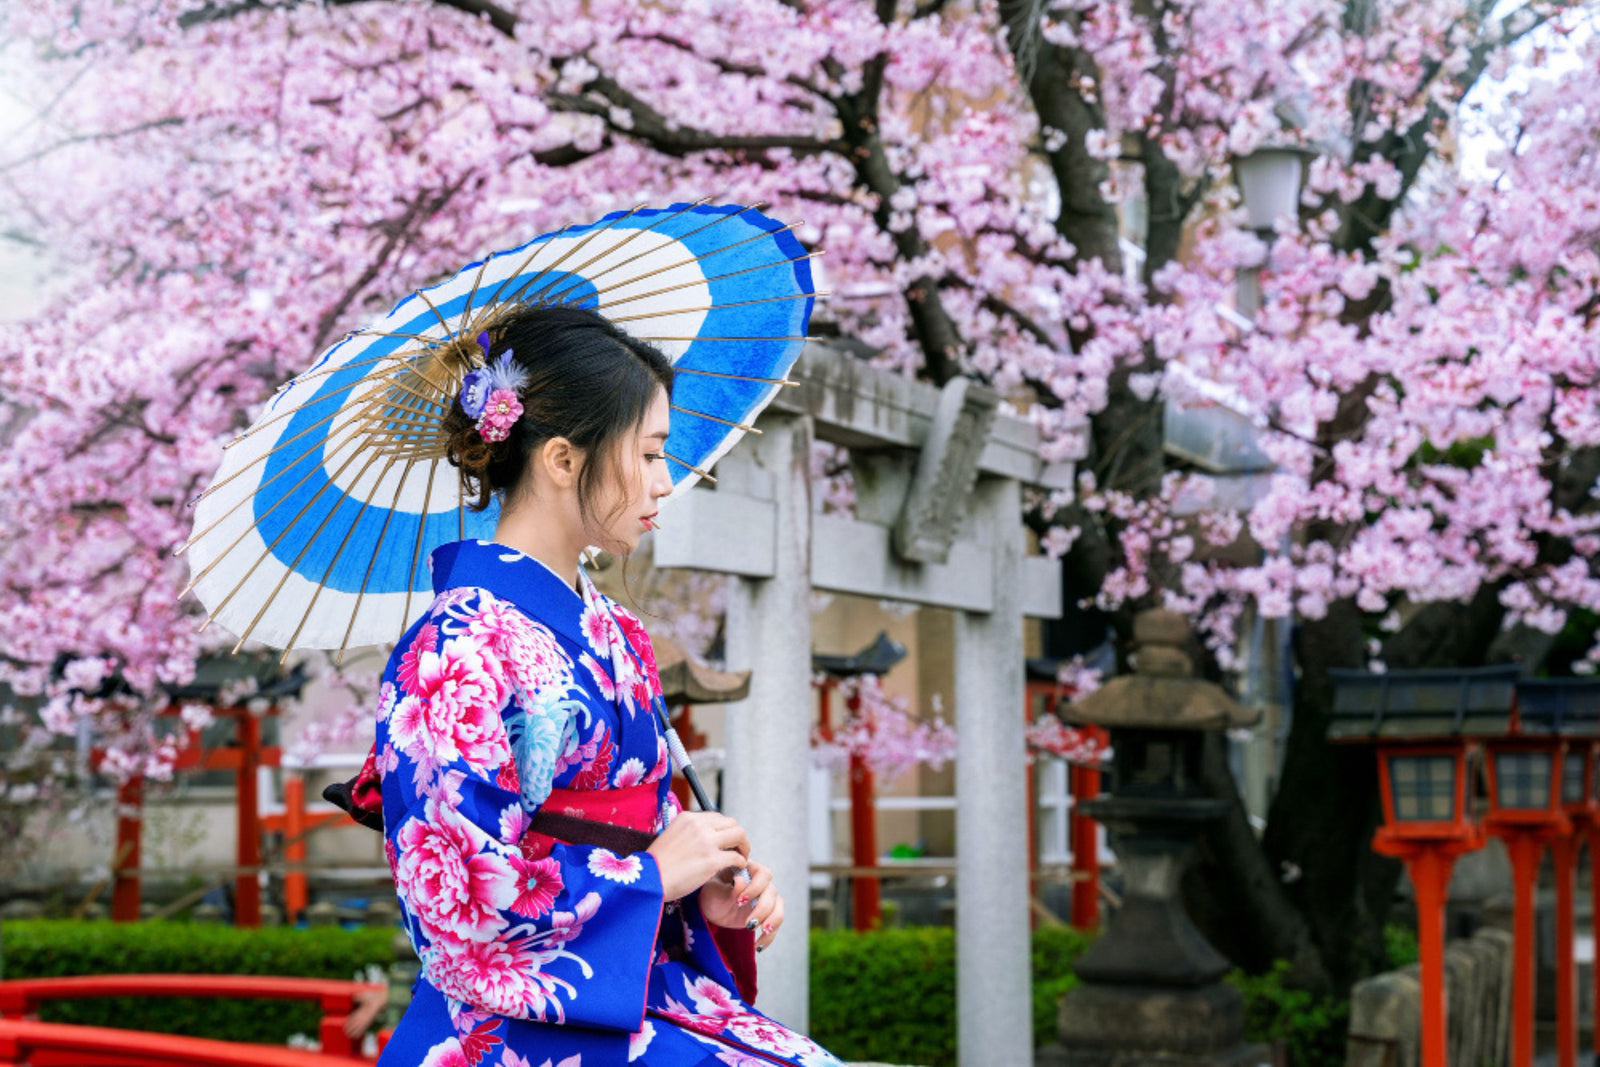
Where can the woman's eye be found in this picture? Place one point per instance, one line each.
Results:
(653, 456)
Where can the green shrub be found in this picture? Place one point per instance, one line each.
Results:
(1400, 945)
(1055, 950)
(891, 994)
(885, 995)
(1311, 1028)
(47, 948)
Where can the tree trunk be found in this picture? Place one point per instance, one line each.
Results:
(1234, 895)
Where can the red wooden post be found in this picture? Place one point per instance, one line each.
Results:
(866, 891)
(1525, 843)
(247, 885)
(1428, 863)
(295, 894)
(125, 861)
(1525, 846)
(1526, 813)
(1564, 855)
(1085, 785)
(1593, 834)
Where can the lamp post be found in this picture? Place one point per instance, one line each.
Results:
(1525, 813)
(1568, 708)
(1269, 181)
(1425, 726)
(1150, 988)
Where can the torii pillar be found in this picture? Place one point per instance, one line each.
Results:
(767, 779)
(937, 522)
(992, 943)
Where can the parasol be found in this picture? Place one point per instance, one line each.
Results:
(316, 529)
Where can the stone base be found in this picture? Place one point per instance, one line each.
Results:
(1149, 1026)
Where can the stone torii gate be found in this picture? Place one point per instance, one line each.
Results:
(939, 476)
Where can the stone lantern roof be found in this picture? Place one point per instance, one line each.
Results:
(683, 681)
(1162, 692)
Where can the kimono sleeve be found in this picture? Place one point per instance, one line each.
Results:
(565, 938)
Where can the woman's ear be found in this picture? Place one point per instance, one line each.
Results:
(561, 461)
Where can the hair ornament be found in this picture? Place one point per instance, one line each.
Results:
(489, 393)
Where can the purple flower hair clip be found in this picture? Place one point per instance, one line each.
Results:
(489, 393)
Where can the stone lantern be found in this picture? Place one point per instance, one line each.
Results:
(1150, 987)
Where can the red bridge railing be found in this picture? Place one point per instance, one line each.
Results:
(21, 1034)
(27, 1043)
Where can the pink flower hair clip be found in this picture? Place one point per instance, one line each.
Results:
(489, 393)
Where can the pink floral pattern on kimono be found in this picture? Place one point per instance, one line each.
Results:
(514, 684)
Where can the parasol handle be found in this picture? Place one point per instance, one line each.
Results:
(680, 756)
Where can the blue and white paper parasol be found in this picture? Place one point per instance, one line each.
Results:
(317, 527)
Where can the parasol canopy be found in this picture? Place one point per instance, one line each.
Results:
(316, 530)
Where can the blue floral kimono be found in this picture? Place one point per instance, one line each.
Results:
(514, 691)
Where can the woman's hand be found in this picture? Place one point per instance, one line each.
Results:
(752, 903)
(697, 847)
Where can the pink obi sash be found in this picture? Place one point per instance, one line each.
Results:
(618, 819)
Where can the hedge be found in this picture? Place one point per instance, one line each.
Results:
(44, 948)
(890, 995)
(887, 995)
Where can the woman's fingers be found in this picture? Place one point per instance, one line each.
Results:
(733, 839)
(760, 879)
(771, 922)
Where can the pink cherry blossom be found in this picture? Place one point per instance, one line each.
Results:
(295, 168)
(880, 729)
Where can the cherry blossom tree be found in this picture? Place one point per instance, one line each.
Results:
(228, 186)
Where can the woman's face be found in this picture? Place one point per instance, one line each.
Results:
(627, 506)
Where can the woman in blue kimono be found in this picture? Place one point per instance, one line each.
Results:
(566, 912)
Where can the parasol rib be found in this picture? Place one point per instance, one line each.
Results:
(716, 278)
(334, 562)
(668, 243)
(633, 233)
(344, 494)
(383, 532)
(698, 311)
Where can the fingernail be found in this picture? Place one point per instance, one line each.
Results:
(751, 925)
(766, 928)
(761, 948)
(743, 901)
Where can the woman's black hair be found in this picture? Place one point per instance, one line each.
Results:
(588, 381)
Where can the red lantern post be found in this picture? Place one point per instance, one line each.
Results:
(1426, 725)
(1427, 795)
(1566, 708)
(1525, 813)
(1592, 833)
(1578, 805)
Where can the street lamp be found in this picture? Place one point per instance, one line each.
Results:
(1525, 812)
(1425, 726)
(1567, 709)
(1269, 181)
